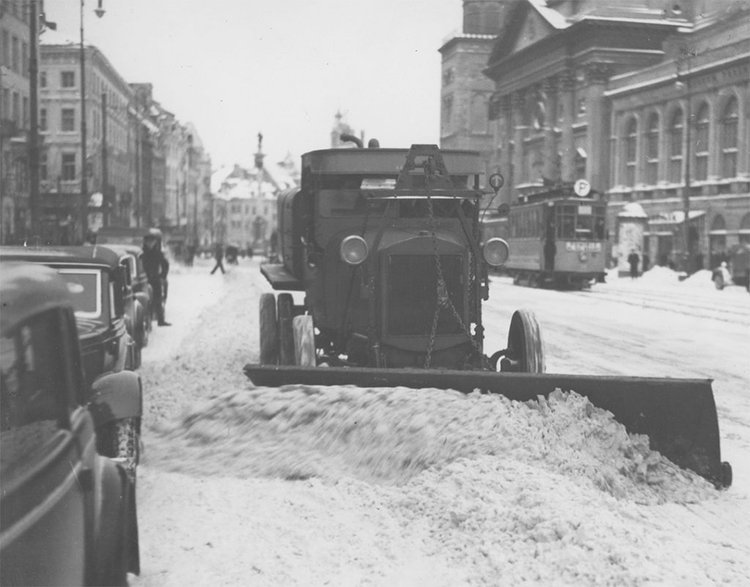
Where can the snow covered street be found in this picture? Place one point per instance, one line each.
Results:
(335, 486)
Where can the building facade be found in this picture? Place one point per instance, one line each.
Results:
(647, 100)
(15, 50)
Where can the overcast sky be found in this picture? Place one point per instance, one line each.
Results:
(282, 67)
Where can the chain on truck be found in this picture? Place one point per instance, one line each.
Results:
(386, 246)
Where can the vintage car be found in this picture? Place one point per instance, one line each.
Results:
(139, 304)
(97, 286)
(67, 514)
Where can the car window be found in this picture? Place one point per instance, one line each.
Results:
(85, 286)
(32, 389)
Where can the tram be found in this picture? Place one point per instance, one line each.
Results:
(557, 238)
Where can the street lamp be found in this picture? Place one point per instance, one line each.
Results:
(84, 164)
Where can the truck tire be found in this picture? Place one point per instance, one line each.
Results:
(286, 330)
(525, 349)
(269, 330)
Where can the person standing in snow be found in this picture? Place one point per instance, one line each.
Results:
(219, 256)
(157, 267)
(633, 260)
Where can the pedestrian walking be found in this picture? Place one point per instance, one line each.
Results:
(633, 260)
(157, 268)
(219, 257)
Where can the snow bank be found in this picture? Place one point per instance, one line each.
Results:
(660, 275)
(390, 435)
(700, 279)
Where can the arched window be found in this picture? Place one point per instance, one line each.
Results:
(631, 150)
(701, 143)
(652, 150)
(675, 147)
(729, 124)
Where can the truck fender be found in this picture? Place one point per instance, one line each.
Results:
(115, 396)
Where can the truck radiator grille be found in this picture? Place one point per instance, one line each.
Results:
(411, 294)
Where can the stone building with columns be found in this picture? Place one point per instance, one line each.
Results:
(601, 90)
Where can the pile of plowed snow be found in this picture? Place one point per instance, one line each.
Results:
(389, 435)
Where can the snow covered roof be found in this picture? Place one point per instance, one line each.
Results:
(632, 210)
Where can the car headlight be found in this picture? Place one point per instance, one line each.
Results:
(496, 251)
(582, 256)
(353, 250)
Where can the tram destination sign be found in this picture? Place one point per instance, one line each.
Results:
(583, 246)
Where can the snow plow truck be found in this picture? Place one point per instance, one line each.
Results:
(386, 246)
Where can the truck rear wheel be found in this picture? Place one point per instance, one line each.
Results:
(269, 330)
(525, 352)
(286, 330)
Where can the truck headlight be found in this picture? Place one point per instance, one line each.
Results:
(495, 252)
(353, 250)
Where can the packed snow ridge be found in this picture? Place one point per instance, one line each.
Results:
(407, 437)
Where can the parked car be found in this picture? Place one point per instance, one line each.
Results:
(139, 303)
(68, 515)
(97, 286)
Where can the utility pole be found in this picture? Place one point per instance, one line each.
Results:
(33, 144)
(105, 170)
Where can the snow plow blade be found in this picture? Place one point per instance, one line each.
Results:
(678, 415)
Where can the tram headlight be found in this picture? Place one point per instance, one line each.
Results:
(353, 250)
(496, 252)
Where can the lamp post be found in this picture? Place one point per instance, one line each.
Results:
(84, 163)
(683, 82)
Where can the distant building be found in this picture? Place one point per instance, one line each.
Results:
(110, 171)
(245, 202)
(14, 121)
(648, 100)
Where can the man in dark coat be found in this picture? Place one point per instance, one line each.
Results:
(219, 256)
(633, 260)
(157, 267)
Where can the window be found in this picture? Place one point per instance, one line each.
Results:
(24, 59)
(31, 388)
(68, 79)
(729, 123)
(42, 79)
(43, 166)
(631, 150)
(15, 56)
(6, 49)
(68, 166)
(652, 150)
(701, 143)
(16, 108)
(675, 147)
(68, 120)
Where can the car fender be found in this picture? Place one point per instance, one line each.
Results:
(143, 298)
(115, 396)
(115, 525)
